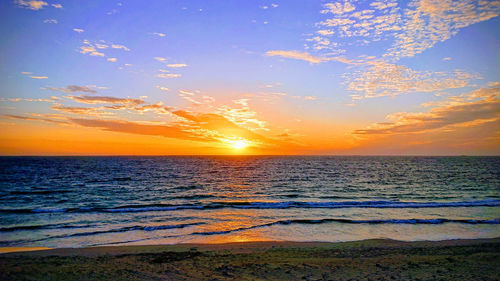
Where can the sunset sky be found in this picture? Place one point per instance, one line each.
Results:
(163, 77)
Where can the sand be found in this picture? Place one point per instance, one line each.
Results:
(377, 259)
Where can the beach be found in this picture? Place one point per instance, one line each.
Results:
(375, 259)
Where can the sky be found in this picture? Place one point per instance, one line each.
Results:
(281, 77)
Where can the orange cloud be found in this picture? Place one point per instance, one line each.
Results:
(138, 128)
(104, 99)
(467, 110)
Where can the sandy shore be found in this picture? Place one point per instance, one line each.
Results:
(369, 259)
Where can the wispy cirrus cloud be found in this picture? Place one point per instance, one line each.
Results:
(298, 56)
(39, 77)
(105, 99)
(122, 47)
(90, 111)
(177, 65)
(73, 89)
(51, 99)
(242, 115)
(48, 120)
(168, 75)
(162, 88)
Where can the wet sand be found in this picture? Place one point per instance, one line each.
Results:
(377, 259)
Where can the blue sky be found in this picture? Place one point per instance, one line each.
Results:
(313, 77)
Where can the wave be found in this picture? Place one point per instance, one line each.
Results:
(280, 222)
(122, 229)
(135, 227)
(38, 192)
(262, 205)
(349, 221)
(43, 226)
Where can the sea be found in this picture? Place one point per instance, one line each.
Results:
(98, 201)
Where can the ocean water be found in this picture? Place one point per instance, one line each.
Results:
(92, 201)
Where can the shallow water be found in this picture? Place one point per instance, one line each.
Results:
(87, 201)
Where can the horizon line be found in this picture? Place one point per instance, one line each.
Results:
(254, 155)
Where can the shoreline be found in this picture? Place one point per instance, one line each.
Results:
(458, 259)
(233, 246)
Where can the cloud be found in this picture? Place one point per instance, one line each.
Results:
(36, 119)
(34, 76)
(138, 128)
(469, 110)
(386, 79)
(338, 8)
(186, 92)
(91, 111)
(50, 21)
(159, 34)
(177, 65)
(411, 28)
(189, 96)
(115, 46)
(51, 99)
(79, 30)
(88, 49)
(160, 59)
(104, 99)
(310, 98)
(112, 59)
(325, 32)
(368, 24)
(32, 5)
(223, 127)
(73, 89)
(205, 127)
(242, 115)
(57, 6)
(298, 56)
(157, 107)
(218, 127)
(162, 88)
(428, 22)
(168, 75)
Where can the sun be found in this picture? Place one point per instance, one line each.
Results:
(239, 144)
